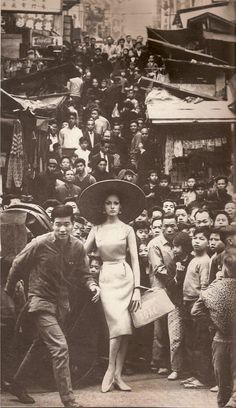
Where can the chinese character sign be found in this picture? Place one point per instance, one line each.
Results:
(33, 6)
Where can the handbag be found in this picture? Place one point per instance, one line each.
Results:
(155, 303)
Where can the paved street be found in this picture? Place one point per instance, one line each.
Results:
(147, 391)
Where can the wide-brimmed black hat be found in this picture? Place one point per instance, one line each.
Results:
(91, 201)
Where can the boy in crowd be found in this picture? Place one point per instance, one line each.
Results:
(197, 333)
(169, 206)
(141, 229)
(190, 195)
(182, 249)
(164, 188)
(216, 245)
(82, 152)
(151, 188)
(95, 264)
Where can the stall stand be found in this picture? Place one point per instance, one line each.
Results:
(195, 136)
(24, 132)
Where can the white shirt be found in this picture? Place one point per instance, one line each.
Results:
(101, 124)
(75, 86)
(69, 138)
(83, 154)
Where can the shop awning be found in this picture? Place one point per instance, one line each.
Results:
(178, 37)
(43, 105)
(168, 50)
(176, 110)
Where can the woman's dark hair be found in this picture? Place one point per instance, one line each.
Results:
(61, 211)
(101, 216)
(183, 239)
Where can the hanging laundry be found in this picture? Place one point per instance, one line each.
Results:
(15, 169)
(178, 148)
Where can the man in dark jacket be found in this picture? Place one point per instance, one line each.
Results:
(91, 136)
(55, 263)
(45, 183)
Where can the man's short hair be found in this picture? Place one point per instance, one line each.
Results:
(206, 231)
(199, 184)
(83, 139)
(221, 178)
(66, 171)
(140, 225)
(52, 202)
(157, 219)
(201, 211)
(155, 208)
(101, 160)
(228, 231)
(95, 109)
(170, 216)
(52, 160)
(80, 160)
(61, 211)
(72, 114)
(69, 199)
(165, 177)
(65, 157)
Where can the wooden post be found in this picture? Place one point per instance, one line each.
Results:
(233, 134)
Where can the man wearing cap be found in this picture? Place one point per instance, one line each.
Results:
(56, 264)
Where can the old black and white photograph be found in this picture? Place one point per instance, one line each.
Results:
(118, 203)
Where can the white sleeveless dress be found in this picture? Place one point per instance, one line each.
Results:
(116, 279)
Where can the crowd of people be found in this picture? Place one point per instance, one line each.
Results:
(186, 243)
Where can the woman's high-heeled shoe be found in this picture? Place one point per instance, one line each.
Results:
(107, 383)
(121, 385)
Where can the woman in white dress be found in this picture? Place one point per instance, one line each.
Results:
(105, 204)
